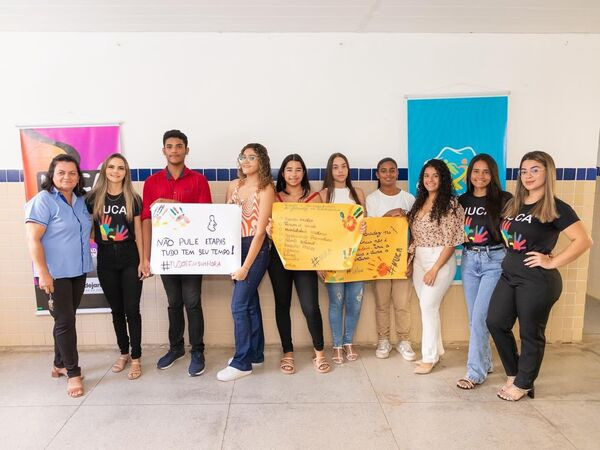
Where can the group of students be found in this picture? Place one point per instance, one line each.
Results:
(508, 269)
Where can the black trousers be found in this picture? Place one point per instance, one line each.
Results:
(308, 294)
(527, 294)
(65, 301)
(118, 276)
(185, 290)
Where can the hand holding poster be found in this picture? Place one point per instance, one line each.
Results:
(381, 254)
(317, 236)
(193, 238)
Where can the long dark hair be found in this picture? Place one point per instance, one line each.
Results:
(329, 183)
(48, 183)
(383, 161)
(281, 184)
(493, 194)
(443, 202)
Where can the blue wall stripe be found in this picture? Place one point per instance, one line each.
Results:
(318, 174)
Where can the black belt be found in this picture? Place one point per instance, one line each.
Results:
(484, 248)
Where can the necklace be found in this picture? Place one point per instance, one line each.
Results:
(114, 197)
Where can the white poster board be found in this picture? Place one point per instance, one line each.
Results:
(195, 238)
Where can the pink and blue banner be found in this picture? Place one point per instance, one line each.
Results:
(90, 145)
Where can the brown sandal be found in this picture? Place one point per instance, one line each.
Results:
(466, 384)
(287, 365)
(74, 387)
(135, 369)
(351, 355)
(321, 365)
(120, 363)
(337, 357)
(58, 372)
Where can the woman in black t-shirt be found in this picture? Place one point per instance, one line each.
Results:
(530, 283)
(482, 256)
(116, 209)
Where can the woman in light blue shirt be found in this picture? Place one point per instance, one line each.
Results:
(58, 231)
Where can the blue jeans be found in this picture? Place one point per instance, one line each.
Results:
(245, 307)
(480, 273)
(349, 295)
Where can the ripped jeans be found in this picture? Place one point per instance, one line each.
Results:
(349, 295)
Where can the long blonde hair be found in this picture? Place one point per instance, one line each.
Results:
(98, 193)
(545, 209)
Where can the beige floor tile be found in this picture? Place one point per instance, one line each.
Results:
(144, 427)
(169, 386)
(345, 383)
(26, 378)
(308, 426)
(472, 425)
(577, 421)
(32, 427)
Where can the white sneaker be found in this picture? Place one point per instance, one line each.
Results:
(383, 348)
(405, 349)
(231, 373)
(254, 365)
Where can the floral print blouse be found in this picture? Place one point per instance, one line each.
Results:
(449, 233)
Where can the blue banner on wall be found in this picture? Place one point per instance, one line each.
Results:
(455, 130)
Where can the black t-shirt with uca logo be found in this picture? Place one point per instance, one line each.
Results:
(477, 224)
(113, 225)
(524, 233)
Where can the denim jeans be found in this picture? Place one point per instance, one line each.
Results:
(480, 273)
(245, 307)
(349, 295)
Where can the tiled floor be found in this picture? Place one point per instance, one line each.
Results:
(367, 404)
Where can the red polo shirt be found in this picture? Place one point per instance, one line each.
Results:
(190, 187)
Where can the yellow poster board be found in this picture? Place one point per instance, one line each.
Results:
(317, 236)
(381, 254)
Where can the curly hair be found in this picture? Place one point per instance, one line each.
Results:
(265, 178)
(444, 200)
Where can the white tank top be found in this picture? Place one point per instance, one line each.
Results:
(342, 195)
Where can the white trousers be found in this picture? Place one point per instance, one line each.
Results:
(430, 299)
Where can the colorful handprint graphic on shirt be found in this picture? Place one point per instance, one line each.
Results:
(349, 221)
(478, 235)
(105, 228)
(121, 233)
(515, 241)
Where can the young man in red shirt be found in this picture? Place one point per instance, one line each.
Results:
(177, 184)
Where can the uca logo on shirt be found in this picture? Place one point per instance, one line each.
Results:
(520, 218)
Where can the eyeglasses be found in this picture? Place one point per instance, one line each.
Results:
(250, 158)
(532, 171)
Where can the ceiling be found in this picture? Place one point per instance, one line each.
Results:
(288, 16)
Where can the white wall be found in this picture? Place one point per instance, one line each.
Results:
(309, 93)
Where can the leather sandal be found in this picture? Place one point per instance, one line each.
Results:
(515, 393)
(135, 369)
(58, 372)
(466, 383)
(74, 387)
(120, 363)
(351, 355)
(287, 365)
(424, 368)
(321, 365)
(338, 356)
